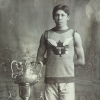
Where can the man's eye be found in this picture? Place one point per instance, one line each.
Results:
(62, 15)
(56, 15)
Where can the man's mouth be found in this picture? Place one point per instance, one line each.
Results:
(59, 22)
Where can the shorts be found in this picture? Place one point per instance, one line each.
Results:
(59, 91)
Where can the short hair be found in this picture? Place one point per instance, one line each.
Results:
(65, 8)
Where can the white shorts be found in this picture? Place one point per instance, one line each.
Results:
(59, 91)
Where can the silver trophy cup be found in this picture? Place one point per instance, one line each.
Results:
(25, 75)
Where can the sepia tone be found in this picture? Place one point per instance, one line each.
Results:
(21, 24)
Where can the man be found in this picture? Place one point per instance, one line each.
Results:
(60, 43)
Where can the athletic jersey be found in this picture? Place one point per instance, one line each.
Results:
(60, 54)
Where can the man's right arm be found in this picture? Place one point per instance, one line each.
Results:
(41, 49)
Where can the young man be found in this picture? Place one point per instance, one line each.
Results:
(60, 43)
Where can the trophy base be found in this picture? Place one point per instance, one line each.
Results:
(27, 98)
(25, 91)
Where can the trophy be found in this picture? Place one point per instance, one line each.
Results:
(25, 74)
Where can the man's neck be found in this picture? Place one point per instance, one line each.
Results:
(60, 31)
(61, 28)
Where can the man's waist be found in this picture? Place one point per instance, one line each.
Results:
(59, 79)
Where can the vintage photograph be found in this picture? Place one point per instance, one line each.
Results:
(49, 50)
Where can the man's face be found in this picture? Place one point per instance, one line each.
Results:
(60, 18)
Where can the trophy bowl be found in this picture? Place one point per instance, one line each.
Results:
(31, 79)
(25, 75)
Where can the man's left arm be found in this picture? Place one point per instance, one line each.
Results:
(78, 50)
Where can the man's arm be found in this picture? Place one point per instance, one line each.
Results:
(41, 49)
(78, 50)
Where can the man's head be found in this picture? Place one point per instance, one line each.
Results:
(61, 16)
(65, 8)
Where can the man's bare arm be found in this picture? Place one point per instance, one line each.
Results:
(41, 49)
(79, 50)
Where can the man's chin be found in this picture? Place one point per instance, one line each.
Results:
(59, 26)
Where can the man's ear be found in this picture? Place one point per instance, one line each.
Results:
(68, 17)
(53, 16)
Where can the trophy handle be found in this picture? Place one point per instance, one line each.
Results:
(14, 61)
(17, 66)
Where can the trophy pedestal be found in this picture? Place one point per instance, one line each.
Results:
(25, 91)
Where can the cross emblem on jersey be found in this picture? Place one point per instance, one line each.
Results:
(60, 48)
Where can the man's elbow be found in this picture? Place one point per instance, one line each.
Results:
(82, 62)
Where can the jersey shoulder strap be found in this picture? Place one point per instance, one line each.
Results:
(73, 33)
(46, 34)
(74, 36)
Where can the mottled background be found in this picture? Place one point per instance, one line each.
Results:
(21, 24)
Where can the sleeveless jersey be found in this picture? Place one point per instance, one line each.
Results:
(60, 54)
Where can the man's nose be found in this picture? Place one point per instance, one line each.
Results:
(60, 17)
